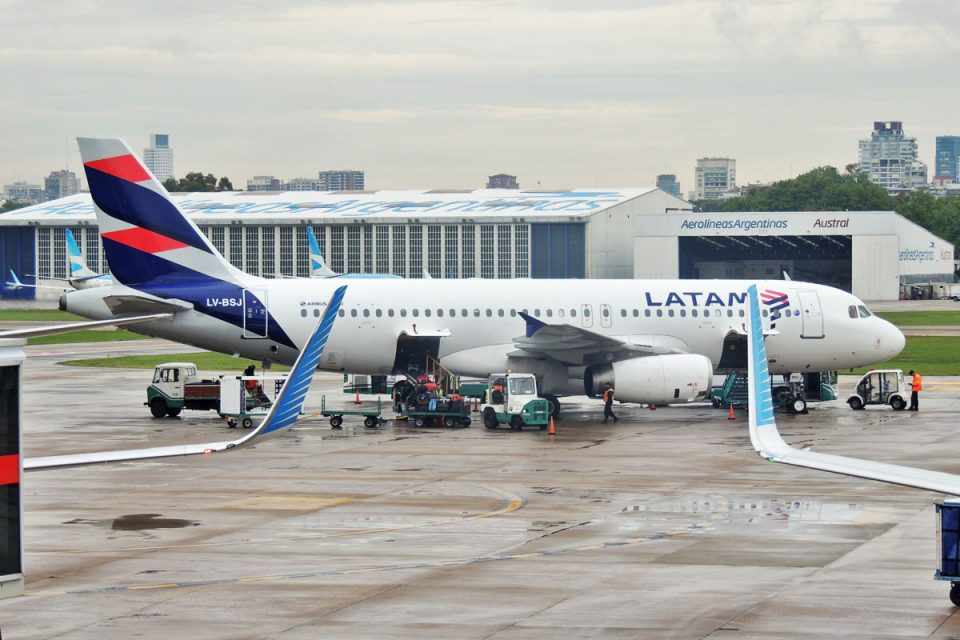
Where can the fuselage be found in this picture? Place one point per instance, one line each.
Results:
(810, 327)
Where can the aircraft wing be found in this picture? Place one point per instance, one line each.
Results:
(284, 412)
(769, 444)
(15, 283)
(576, 345)
(33, 332)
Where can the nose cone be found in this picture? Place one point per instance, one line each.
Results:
(892, 340)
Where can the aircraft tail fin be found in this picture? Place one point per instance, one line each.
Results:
(146, 237)
(318, 267)
(76, 265)
(14, 281)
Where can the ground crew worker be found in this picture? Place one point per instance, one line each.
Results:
(608, 405)
(916, 386)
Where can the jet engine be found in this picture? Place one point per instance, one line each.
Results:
(684, 377)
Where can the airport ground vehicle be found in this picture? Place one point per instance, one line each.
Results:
(372, 418)
(441, 412)
(880, 386)
(512, 399)
(177, 386)
(243, 398)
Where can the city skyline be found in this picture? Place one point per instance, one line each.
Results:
(424, 108)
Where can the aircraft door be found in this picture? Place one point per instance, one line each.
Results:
(811, 315)
(255, 317)
(606, 316)
(586, 315)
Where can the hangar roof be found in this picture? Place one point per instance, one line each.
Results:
(379, 206)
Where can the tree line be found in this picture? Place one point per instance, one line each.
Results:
(198, 181)
(826, 189)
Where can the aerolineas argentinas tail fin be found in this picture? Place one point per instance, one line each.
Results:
(318, 268)
(77, 267)
(763, 426)
(146, 238)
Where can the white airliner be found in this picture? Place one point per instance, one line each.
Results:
(657, 341)
(81, 276)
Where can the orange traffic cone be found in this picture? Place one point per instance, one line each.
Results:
(552, 427)
(730, 413)
(356, 398)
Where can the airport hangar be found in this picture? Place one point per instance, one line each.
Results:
(502, 233)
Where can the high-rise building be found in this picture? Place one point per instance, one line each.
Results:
(947, 159)
(502, 181)
(714, 178)
(24, 192)
(60, 184)
(264, 183)
(341, 180)
(159, 156)
(302, 184)
(890, 158)
(668, 182)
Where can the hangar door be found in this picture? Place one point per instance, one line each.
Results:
(876, 267)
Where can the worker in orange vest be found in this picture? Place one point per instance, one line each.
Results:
(608, 405)
(916, 386)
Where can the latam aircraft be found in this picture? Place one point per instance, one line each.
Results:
(657, 341)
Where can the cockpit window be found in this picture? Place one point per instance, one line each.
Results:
(852, 310)
(864, 312)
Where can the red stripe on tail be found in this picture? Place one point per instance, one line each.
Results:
(10, 469)
(125, 167)
(144, 240)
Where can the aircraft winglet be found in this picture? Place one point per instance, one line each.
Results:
(283, 413)
(769, 444)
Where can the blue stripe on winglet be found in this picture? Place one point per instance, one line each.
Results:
(758, 355)
(289, 402)
(533, 325)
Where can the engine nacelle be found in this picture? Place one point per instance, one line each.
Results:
(683, 377)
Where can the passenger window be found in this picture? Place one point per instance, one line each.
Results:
(439, 313)
(646, 313)
(764, 313)
(693, 312)
(366, 313)
(729, 313)
(536, 312)
(378, 313)
(403, 313)
(561, 312)
(390, 312)
(353, 313)
(340, 313)
(465, 313)
(489, 313)
(864, 312)
(852, 310)
(741, 313)
(427, 312)
(513, 313)
(549, 313)
(670, 312)
(586, 312)
(476, 313)
(683, 313)
(573, 313)
(500, 313)
(636, 313)
(415, 313)
(605, 312)
(303, 313)
(706, 313)
(524, 310)
(453, 313)
(659, 313)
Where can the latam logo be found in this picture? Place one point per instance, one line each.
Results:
(775, 301)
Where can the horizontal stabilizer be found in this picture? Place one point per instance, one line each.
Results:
(767, 441)
(141, 304)
(33, 332)
(284, 412)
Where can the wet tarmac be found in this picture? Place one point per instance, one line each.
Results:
(664, 525)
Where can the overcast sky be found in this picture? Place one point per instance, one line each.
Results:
(429, 94)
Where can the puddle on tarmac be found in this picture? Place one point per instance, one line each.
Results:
(729, 507)
(146, 521)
